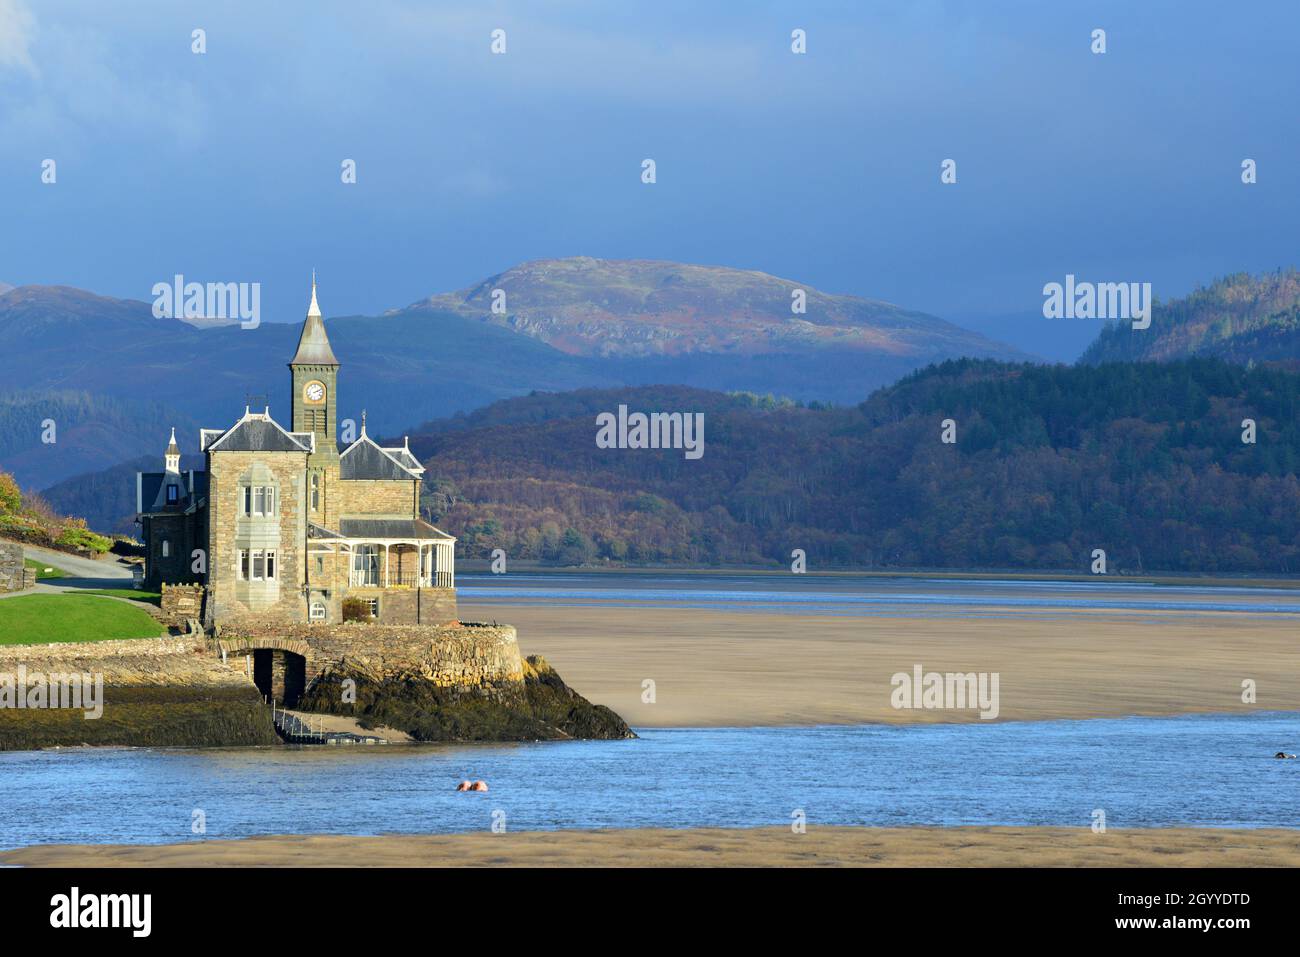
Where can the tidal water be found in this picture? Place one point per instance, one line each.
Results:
(857, 595)
(1206, 770)
(1203, 770)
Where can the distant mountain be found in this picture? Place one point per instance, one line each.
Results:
(105, 498)
(1240, 318)
(648, 322)
(1143, 460)
(4, 288)
(48, 435)
(646, 308)
(568, 324)
(115, 355)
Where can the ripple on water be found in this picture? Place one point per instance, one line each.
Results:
(1201, 770)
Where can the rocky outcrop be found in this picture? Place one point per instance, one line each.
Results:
(538, 706)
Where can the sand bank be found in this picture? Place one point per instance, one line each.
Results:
(712, 847)
(717, 668)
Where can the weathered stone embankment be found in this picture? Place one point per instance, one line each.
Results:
(458, 682)
(159, 692)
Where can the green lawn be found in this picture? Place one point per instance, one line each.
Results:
(44, 619)
(148, 597)
(40, 567)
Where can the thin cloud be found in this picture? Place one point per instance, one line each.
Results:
(17, 33)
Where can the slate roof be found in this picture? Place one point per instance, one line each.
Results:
(256, 432)
(149, 487)
(380, 528)
(363, 459)
(404, 456)
(313, 345)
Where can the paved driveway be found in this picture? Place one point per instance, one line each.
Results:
(88, 572)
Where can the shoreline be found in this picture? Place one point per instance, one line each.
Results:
(830, 846)
(1173, 579)
(400, 740)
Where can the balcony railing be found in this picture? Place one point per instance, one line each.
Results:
(403, 579)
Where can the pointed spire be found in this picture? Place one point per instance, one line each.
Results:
(172, 456)
(314, 345)
(313, 309)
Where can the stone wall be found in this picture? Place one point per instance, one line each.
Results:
(411, 606)
(231, 531)
(365, 498)
(183, 533)
(128, 658)
(14, 576)
(180, 604)
(455, 656)
(157, 692)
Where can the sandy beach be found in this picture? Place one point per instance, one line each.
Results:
(720, 668)
(710, 847)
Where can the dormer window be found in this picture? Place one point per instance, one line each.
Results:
(173, 494)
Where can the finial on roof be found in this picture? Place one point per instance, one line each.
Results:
(172, 454)
(313, 309)
(363, 424)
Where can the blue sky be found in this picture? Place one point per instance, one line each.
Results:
(823, 168)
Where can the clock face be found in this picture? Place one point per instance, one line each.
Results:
(314, 392)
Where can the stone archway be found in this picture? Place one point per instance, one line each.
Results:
(278, 666)
(280, 675)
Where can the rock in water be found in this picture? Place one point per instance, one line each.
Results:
(541, 707)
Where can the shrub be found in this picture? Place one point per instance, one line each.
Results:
(75, 534)
(354, 609)
(11, 498)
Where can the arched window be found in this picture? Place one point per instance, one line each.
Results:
(166, 549)
(317, 611)
(315, 491)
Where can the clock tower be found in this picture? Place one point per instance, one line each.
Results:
(315, 390)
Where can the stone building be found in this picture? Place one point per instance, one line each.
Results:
(283, 526)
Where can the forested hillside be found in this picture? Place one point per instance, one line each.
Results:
(1240, 318)
(1144, 460)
